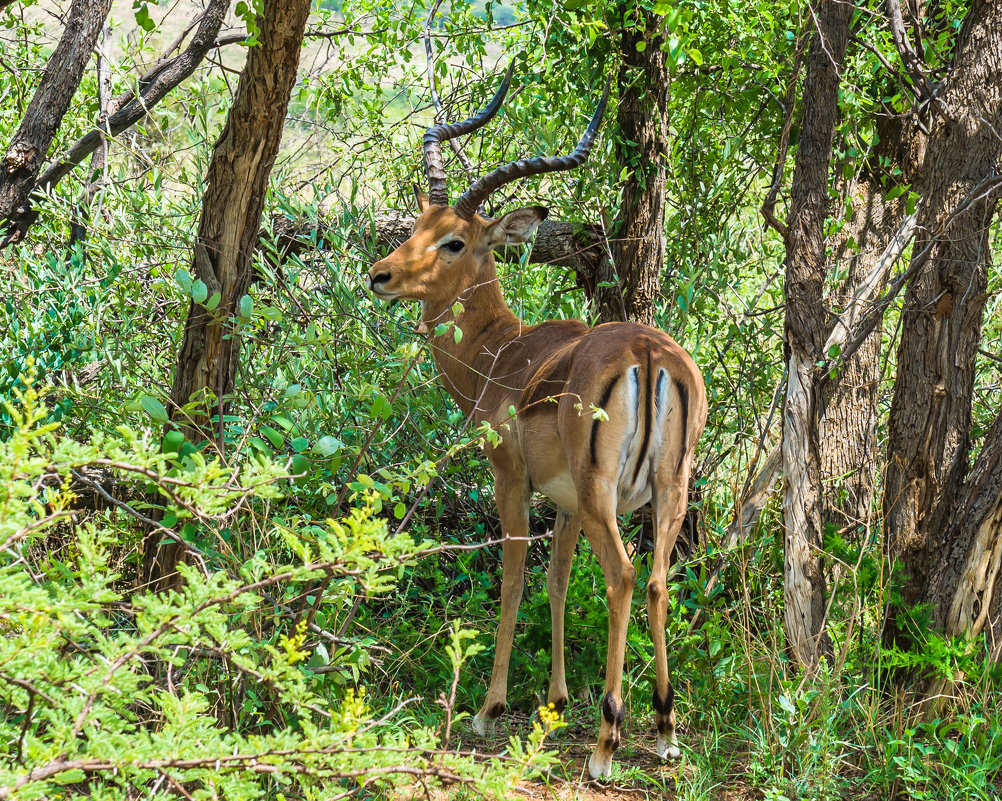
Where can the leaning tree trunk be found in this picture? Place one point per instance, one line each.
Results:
(227, 237)
(638, 244)
(65, 68)
(153, 86)
(848, 425)
(930, 419)
(806, 329)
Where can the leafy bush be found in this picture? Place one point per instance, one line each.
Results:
(210, 690)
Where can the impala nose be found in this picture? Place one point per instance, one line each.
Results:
(377, 275)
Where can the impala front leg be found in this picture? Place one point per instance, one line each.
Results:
(512, 496)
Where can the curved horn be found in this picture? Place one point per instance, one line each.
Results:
(470, 201)
(437, 134)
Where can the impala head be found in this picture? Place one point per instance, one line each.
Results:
(451, 245)
(444, 255)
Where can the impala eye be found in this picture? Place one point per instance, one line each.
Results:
(455, 245)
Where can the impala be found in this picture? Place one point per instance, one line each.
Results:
(606, 419)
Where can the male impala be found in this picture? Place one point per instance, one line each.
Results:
(557, 375)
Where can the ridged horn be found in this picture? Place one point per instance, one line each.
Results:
(437, 192)
(470, 201)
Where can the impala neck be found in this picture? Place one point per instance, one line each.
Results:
(487, 324)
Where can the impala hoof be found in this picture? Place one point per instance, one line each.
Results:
(600, 767)
(668, 749)
(483, 726)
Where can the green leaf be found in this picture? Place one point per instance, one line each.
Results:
(260, 445)
(199, 291)
(154, 408)
(284, 421)
(399, 511)
(328, 446)
(457, 334)
(380, 408)
(895, 191)
(183, 277)
(70, 776)
(246, 306)
(212, 302)
(276, 439)
(172, 442)
(641, 46)
(300, 444)
(441, 328)
(299, 465)
(143, 18)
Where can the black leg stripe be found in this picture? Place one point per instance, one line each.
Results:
(647, 419)
(613, 711)
(602, 401)
(683, 399)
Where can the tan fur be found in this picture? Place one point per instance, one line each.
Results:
(555, 374)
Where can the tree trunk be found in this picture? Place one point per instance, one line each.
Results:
(638, 245)
(128, 109)
(848, 425)
(227, 237)
(806, 329)
(48, 106)
(965, 584)
(929, 427)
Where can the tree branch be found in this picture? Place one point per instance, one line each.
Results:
(164, 76)
(924, 88)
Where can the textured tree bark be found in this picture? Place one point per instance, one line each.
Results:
(754, 499)
(807, 324)
(929, 427)
(45, 112)
(237, 180)
(164, 76)
(638, 245)
(848, 424)
(965, 579)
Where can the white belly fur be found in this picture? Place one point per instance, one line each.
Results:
(561, 490)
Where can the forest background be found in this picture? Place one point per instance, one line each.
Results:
(247, 544)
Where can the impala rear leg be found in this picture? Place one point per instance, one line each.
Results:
(512, 497)
(602, 531)
(669, 504)
(565, 539)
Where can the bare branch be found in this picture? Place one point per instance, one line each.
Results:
(430, 57)
(924, 88)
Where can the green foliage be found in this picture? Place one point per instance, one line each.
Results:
(106, 691)
(344, 459)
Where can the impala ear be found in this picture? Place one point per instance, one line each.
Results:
(514, 227)
(422, 199)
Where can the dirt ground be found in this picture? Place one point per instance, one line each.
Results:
(640, 773)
